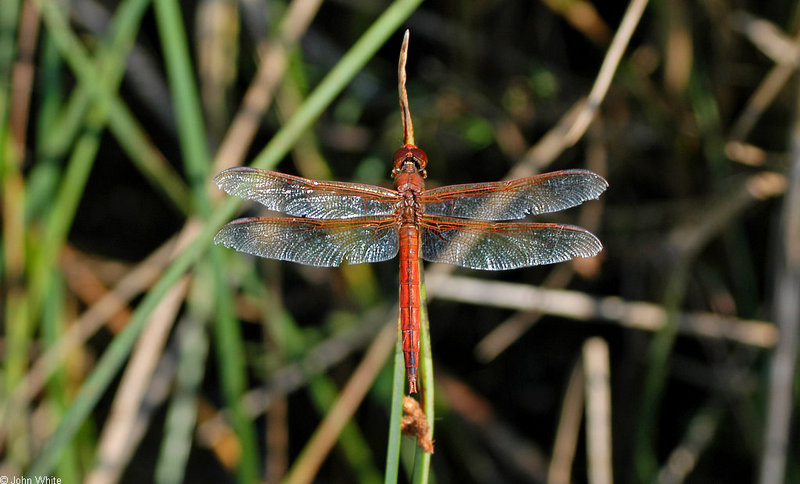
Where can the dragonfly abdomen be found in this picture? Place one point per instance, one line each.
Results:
(409, 300)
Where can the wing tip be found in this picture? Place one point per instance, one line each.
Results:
(584, 245)
(222, 177)
(588, 244)
(601, 187)
(593, 248)
(597, 183)
(222, 237)
(597, 186)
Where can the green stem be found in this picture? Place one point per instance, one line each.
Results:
(422, 460)
(396, 413)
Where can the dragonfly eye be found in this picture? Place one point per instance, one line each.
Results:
(409, 158)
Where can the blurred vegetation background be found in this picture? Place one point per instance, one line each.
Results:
(134, 351)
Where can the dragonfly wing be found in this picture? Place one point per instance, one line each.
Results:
(513, 199)
(301, 197)
(503, 245)
(314, 242)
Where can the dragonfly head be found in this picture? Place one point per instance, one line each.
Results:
(410, 159)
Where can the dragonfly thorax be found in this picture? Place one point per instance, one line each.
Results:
(408, 212)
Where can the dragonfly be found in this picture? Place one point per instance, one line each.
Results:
(327, 223)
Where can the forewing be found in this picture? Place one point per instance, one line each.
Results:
(503, 245)
(514, 199)
(313, 242)
(301, 197)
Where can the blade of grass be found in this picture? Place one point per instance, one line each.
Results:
(395, 411)
(422, 460)
(118, 350)
(186, 99)
(43, 176)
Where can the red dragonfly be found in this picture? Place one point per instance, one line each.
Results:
(331, 222)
